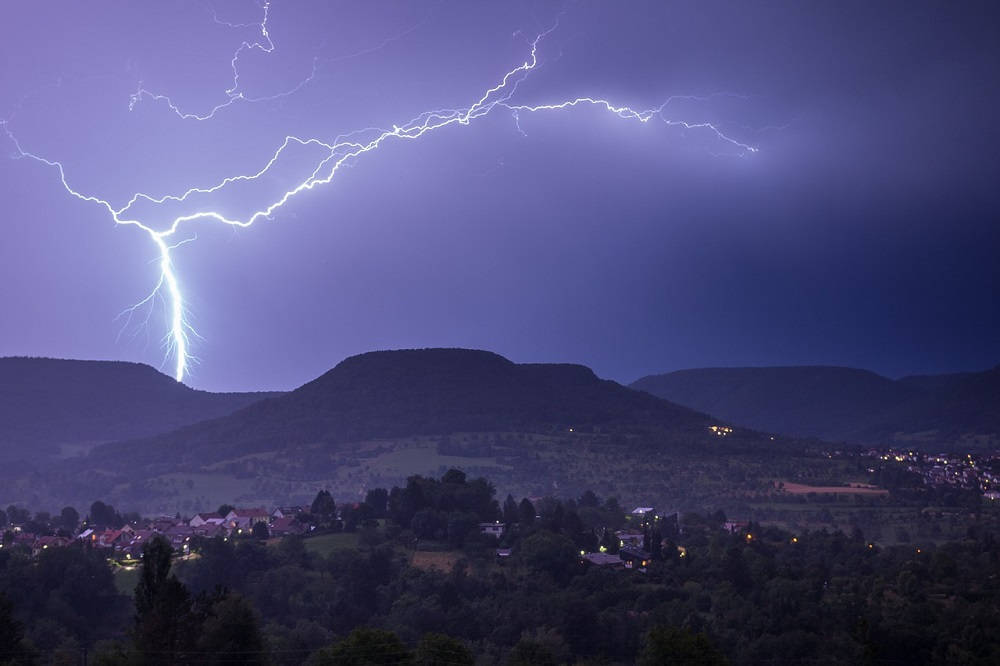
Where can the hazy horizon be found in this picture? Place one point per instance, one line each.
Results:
(624, 381)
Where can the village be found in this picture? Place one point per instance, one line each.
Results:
(124, 541)
(634, 547)
(967, 471)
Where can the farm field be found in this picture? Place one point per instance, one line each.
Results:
(325, 544)
(853, 489)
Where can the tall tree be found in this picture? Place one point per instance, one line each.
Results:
(378, 500)
(17, 515)
(526, 513)
(231, 634)
(104, 515)
(510, 510)
(260, 531)
(69, 518)
(324, 506)
(164, 623)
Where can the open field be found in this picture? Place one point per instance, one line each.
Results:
(853, 489)
(325, 544)
(440, 560)
(126, 579)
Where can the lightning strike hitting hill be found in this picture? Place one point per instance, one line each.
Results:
(343, 149)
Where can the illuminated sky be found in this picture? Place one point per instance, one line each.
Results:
(863, 232)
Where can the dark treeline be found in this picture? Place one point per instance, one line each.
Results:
(762, 595)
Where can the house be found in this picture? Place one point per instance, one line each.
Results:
(627, 538)
(131, 552)
(493, 529)
(288, 511)
(201, 519)
(635, 558)
(24, 539)
(162, 524)
(733, 526)
(643, 514)
(286, 525)
(46, 542)
(245, 519)
(210, 531)
(179, 536)
(113, 538)
(603, 560)
(140, 538)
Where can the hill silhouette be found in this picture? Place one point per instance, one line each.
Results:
(47, 402)
(408, 393)
(843, 404)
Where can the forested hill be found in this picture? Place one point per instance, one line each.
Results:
(426, 392)
(45, 402)
(844, 404)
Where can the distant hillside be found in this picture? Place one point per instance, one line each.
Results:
(48, 402)
(843, 404)
(423, 392)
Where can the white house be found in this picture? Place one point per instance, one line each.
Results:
(202, 519)
(245, 519)
(494, 529)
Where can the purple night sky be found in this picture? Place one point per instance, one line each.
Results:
(864, 232)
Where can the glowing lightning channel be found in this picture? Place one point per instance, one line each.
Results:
(341, 151)
(233, 94)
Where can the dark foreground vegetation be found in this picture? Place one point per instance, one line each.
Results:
(706, 594)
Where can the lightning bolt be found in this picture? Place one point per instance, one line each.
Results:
(343, 150)
(233, 94)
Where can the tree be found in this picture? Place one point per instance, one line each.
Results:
(17, 515)
(11, 633)
(510, 510)
(104, 514)
(163, 621)
(365, 647)
(656, 543)
(548, 552)
(378, 500)
(324, 506)
(526, 513)
(3, 519)
(436, 649)
(260, 531)
(231, 634)
(589, 499)
(670, 645)
(69, 518)
(609, 542)
(224, 509)
(455, 476)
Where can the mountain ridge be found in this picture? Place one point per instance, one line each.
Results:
(418, 392)
(839, 403)
(49, 402)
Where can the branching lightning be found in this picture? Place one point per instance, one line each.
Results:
(234, 93)
(343, 150)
